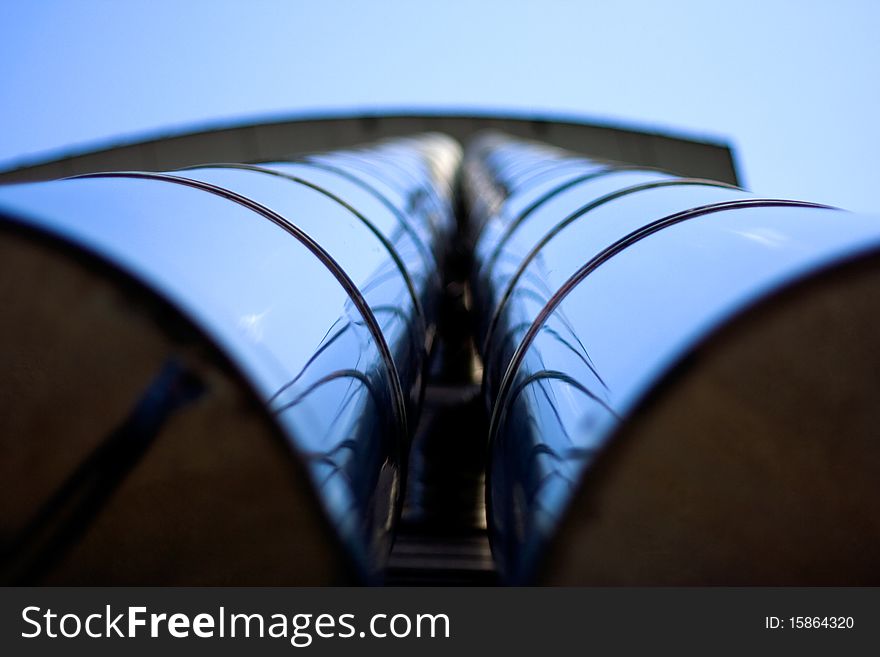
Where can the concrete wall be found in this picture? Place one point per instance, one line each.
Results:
(276, 140)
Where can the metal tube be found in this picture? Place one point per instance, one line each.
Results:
(297, 300)
(647, 343)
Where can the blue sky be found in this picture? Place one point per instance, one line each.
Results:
(794, 86)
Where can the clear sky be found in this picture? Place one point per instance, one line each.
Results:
(794, 86)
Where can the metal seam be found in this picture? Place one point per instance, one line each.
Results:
(317, 250)
(519, 219)
(363, 158)
(395, 256)
(575, 279)
(426, 252)
(567, 221)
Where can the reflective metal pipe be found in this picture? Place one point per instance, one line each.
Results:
(212, 374)
(683, 377)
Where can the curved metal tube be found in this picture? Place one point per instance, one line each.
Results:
(595, 290)
(300, 298)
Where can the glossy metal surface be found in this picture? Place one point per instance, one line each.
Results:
(373, 267)
(595, 294)
(318, 288)
(422, 188)
(391, 220)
